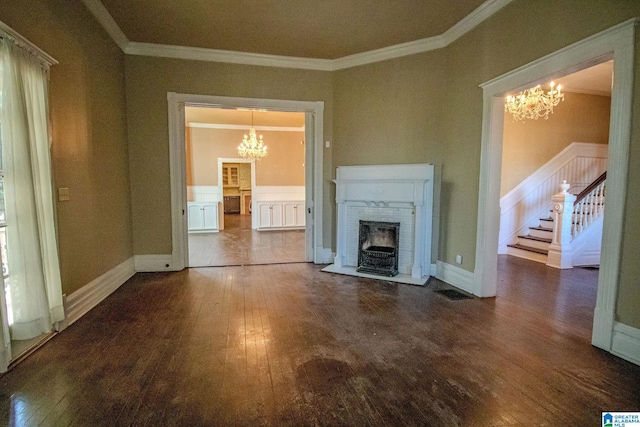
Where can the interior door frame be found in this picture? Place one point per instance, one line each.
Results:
(616, 43)
(223, 160)
(314, 123)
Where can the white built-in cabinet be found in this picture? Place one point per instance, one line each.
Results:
(289, 214)
(202, 216)
(293, 214)
(230, 176)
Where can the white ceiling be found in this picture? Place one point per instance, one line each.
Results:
(596, 80)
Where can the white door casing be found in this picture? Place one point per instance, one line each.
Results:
(314, 119)
(616, 43)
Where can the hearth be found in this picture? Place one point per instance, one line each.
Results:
(378, 247)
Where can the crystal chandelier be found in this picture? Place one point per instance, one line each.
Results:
(251, 147)
(534, 103)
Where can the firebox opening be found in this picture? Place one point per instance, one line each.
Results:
(378, 247)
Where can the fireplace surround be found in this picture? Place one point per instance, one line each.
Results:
(386, 193)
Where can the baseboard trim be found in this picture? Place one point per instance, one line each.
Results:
(153, 263)
(323, 256)
(84, 299)
(626, 342)
(455, 276)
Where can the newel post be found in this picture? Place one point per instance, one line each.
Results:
(560, 249)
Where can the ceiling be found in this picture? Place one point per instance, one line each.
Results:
(326, 29)
(596, 80)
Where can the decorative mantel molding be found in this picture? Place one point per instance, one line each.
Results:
(390, 188)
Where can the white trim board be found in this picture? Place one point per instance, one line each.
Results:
(626, 342)
(153, 263)
(455, 276)
(466, 24)
(616, 43)
(84, 299)
(314, 152)
(245, 127)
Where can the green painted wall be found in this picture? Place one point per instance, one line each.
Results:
(148, 82)
(89, 146)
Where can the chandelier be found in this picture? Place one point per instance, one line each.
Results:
(534, 103)
(252, 147)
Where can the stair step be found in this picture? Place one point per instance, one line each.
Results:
(542, 232)
(534, 242)
(525, 252)
(529, 249)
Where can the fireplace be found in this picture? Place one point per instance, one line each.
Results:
(378, 247)
(396, 194)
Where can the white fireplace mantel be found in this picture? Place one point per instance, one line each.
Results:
(402, 193)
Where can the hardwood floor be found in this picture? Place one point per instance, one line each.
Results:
(287, 344)
(238, 244)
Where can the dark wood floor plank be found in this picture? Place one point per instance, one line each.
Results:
(289, 345)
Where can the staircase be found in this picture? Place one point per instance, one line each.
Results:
(589, 205)
(535, 245)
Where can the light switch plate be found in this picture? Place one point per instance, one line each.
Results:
(63, 194)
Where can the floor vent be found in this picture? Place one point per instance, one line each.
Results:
(453, 294)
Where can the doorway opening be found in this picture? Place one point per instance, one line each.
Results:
(311, 209)
(244, 211)
(537, 155)
(613, 44)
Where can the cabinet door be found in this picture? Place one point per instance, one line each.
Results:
(230, 176)
(276, 214)
(195, 217)
(300, 214)
(264, 215)
(210, 216)
(289, 214)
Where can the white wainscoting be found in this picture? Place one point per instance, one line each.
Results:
(84, 299)
(267, 193)
(204, 193)
(580, 163)
(626, 342)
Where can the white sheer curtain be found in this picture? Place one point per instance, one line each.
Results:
(34, 273)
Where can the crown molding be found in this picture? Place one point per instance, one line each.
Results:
(228, 56)
(480, 14)
(108, 23)
(472, 20)
(245, 127)
(390, 52)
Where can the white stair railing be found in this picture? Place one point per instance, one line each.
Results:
(589, 207)
(571, 216)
